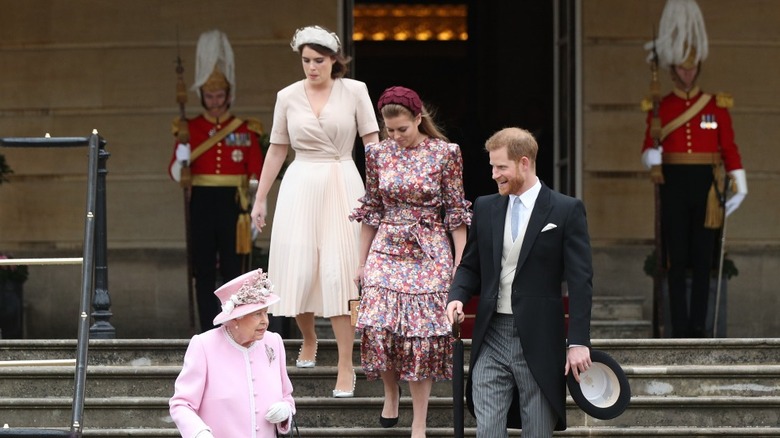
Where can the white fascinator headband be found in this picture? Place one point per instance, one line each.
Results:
(315, 35)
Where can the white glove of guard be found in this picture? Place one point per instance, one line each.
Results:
(205, 433)
(733, 203)
(278, 412)
(740, 180)
(183, 152)
(176, 170)
(651, 157)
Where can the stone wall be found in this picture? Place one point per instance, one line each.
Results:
(69, 67)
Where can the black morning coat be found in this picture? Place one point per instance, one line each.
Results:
(560, 254)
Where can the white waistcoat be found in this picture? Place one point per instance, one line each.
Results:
(509, 256)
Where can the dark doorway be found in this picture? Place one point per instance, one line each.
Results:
(501, 76)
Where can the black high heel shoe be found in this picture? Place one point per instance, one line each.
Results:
(390, 422)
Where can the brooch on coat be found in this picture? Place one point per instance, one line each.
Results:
(269, 351)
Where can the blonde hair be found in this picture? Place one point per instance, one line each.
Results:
(518, 142)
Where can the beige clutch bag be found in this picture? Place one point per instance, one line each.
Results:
(354, 307)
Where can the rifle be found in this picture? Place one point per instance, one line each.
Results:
(657, 177)
(183, 136)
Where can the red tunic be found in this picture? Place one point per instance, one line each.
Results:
(238, 153)
(708, 131)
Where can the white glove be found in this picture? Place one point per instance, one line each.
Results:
(176, 170)
(278, 412)
(733, 203)
(652, 157)
(740, 180)
(205, 433)
(183, 152)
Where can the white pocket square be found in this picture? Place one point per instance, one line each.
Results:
(549, 227)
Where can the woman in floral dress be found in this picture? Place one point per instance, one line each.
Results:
(414, 197)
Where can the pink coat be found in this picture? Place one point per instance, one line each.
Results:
(228, 388)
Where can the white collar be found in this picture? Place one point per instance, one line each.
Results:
(528, 198)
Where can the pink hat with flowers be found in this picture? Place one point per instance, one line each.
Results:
(245, 294)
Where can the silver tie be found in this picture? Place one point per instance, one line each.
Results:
(516, 218)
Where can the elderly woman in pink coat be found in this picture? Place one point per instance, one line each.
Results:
(234, 380)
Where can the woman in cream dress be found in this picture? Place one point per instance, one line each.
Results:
(314, 247)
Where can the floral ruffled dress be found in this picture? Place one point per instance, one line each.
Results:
(414, 197)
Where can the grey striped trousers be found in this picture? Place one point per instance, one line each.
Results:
(500, 368)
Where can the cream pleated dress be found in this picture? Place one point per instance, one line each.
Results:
(314, 246)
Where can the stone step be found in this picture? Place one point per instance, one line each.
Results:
(622, 329)
(158, 381)
(152, 412)
(682, 381)
(102, 381)
(705, 380)
(606, 314)
(101, 351)
(146, 352)
(617, 308)
(719, 351)
(614, 432)
(404, 432)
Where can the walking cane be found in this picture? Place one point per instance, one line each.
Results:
(457, 379)
(720, 262)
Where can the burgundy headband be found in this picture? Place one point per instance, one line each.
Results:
(403, 96)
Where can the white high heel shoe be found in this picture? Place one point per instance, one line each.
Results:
(337, 393)
(307, 363)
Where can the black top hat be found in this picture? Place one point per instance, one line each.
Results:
(603, 391)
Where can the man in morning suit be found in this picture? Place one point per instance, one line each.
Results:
(519, 354)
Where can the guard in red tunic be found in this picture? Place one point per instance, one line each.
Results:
(696, 139)
(223, 158)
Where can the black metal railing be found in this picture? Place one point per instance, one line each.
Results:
(94, 263)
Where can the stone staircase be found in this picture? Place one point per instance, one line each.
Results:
(619, 317)
(681, 388)
(705, 388)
